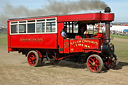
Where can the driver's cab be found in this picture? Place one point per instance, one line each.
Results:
(81, 30)
(82, 36)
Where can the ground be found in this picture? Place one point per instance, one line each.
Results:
(14, 70)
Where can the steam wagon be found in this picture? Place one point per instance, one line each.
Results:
(39, 38)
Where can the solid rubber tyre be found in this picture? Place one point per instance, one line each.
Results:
(33, 58)
(94, 63)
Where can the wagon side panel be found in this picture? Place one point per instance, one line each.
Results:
(43, 41)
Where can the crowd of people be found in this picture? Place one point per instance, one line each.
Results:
(124, 33)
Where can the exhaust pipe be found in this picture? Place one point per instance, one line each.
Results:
(107, 25)
(107, 48)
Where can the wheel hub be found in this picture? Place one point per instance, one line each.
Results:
(93, 64)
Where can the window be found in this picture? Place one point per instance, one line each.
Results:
(31, 28)
(14, 29)
(22, 21)
(50, 27)
(51, 19)
(47, 25)
(72, 27)
(22, 28)
(14, 22)
(41, 20)
(40, 27)
(31, 21)
(76, 28)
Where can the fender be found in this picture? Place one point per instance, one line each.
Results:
(39, 53)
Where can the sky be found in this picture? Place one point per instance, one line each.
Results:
(119, 7)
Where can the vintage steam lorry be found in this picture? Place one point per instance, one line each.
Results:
(40, 39)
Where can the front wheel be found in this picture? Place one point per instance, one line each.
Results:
(111, 62)
(33, 58)
(94, 63)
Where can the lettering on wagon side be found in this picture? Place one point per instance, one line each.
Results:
(83, 43)
(31, 39)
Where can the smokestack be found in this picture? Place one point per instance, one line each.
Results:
(107, 25)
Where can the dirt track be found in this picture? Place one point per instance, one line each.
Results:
(14, 70)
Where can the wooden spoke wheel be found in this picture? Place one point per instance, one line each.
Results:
(111, 62)
(33, 58)
(94, 63)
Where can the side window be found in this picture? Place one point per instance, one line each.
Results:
(40, 27)
(50, 27)
(14, 29)
(47, 25)
(31, 28)
(69, 27)
(76, 28)
(72, 27)
(22, 28)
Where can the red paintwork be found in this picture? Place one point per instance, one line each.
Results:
(34, 41)
(60, 39)
(87, 17)
(32, 59)
(80, 45)
(93, 64)
(107, 17)
(55, 41)
(39, 53)
(66, 46)
(78, 37)
(99, 35)
(9, 43)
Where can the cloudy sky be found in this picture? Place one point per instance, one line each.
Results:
(119, 7)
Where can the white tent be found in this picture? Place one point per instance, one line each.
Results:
(118, 28)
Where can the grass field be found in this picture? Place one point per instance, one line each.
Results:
(3, 40)
(15, 69)
(121, 48)
(119, 36)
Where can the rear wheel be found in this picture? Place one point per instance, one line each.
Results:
(94, 63)
(33, 58)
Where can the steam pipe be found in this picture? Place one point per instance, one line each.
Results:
(107, 28)
(107, 25)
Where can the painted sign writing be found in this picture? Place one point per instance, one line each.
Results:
(31, 39)
(83, 43)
